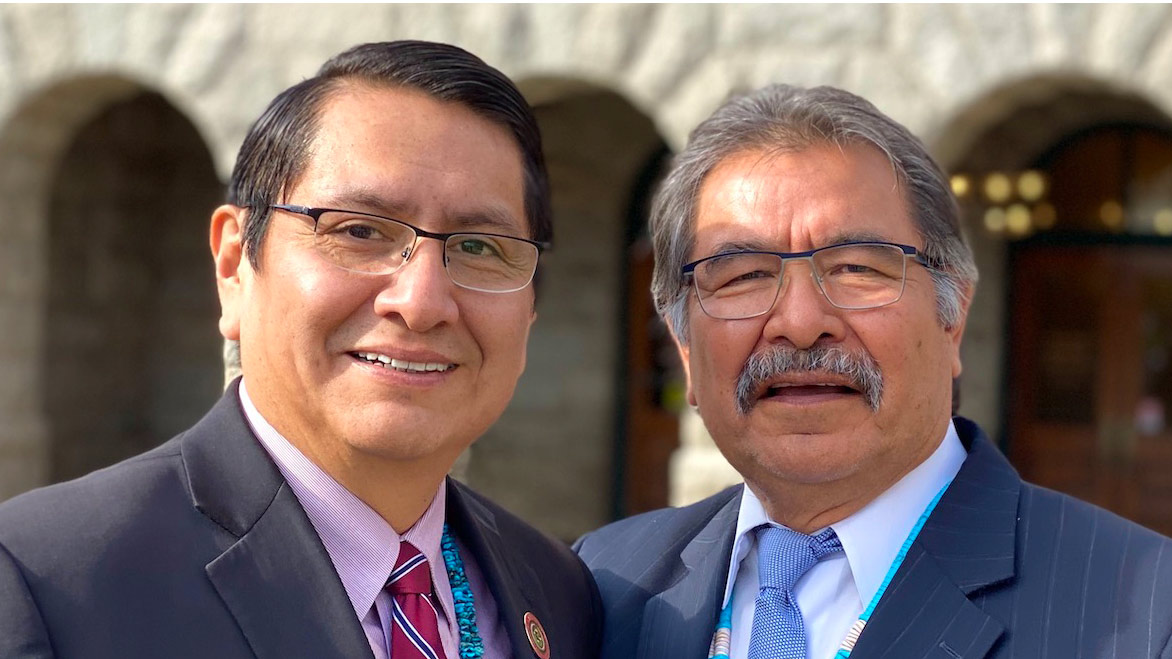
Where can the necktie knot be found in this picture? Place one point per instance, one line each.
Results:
(414, 632)
(784, 555)
(411, 575)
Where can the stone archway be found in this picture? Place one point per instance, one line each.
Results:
(1006, 129)
(556, 455)
(1074, 310)
(109, 288)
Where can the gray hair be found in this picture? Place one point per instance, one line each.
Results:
(783, 118)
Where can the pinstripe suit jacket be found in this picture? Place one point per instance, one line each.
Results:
(1002, 569)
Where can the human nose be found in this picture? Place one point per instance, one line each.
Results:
(420, 291)
(801, 315)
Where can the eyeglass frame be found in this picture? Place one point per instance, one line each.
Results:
(315, 213)
(687, 271)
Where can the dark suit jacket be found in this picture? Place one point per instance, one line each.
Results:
(200, 549)
(1001, 569)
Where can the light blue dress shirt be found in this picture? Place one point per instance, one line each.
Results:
(833, 594)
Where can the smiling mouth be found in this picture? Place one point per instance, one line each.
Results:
(806, 377)
(402, 365)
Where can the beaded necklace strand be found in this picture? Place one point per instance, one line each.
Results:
(471, 646)
(722, 639)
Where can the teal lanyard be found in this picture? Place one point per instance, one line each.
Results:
(722, 639)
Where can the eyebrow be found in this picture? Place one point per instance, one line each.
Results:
(858, 237)
(492, 219)
(730, 246)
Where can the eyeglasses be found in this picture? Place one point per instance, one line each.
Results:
(376, 245)
(859, 275)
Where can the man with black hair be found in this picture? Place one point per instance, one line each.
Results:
(376, 263)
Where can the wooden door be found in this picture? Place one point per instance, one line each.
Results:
(1091, 375)
(654, 387)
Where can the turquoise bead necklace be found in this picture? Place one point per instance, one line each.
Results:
(471, 645)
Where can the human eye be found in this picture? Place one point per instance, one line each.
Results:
(851, 269)
(863, 262)
(361, 229)
(754, 274)
(478, 246)
(731, 271)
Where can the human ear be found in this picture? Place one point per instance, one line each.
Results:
(227, 244)
(685, 353)
(956, 332)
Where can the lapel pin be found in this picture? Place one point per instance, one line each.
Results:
(536, 634)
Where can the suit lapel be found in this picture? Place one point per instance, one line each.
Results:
(967, 544)
(283, 591)
(276, 578)
(515, 586)
(680, 620)
(925, 615)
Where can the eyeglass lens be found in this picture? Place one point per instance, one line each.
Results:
(378, 246)
(850, 276)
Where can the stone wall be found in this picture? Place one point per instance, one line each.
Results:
(947, 71)
(132, 354)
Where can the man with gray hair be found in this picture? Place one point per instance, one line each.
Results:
(811, 266)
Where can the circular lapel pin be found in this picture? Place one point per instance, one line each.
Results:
(536, 633)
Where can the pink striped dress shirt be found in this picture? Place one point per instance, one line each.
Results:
(364, 547)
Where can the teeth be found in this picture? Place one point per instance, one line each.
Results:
(403, 365)
(790, 385)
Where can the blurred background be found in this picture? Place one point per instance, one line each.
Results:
(119, 125)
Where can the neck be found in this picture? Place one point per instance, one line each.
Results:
(399, 491)
(807, 508)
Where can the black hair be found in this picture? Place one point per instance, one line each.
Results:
(276, 149)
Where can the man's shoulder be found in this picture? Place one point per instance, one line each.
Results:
(656, 532)
(1090, 570)
(1045, 515)
(96, 508)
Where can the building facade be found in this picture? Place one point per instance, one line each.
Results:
(119, 125)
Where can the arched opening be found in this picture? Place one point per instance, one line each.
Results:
(131, 352)
(559, 455)
(1071, 197)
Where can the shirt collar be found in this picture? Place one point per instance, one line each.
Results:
(871, 537)
(361, 544)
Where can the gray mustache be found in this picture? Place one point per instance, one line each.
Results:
(764, 365)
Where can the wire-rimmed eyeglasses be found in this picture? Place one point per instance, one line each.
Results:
(854, 275)
(377, 245)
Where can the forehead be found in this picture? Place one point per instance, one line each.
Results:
(404, 153)
(799, 200)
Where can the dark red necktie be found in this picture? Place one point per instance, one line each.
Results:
(414, 623)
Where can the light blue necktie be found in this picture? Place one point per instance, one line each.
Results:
(783, 556)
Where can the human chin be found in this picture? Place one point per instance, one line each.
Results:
(402, 432)
(825, 455)
(810, 421)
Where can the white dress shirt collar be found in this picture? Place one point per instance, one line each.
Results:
(361, 544)
(871, 538)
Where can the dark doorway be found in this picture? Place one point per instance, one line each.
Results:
(1090, 368)
(132, 352)
(651, 378)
